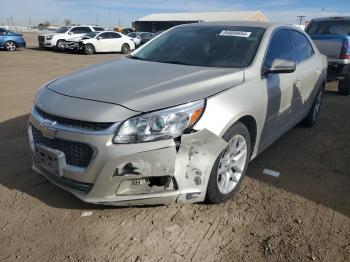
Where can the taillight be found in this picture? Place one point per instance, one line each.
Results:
(345, 49)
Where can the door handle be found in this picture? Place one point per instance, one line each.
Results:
(297, 84)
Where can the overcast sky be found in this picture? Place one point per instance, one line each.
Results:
(126, 11)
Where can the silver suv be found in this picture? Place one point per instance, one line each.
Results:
(204, 100)
(61, 36)
(332, 37)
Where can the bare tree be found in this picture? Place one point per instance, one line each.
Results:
(67, 21)
(46, 23)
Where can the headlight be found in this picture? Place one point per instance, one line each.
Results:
(49, 37)
(163, 124)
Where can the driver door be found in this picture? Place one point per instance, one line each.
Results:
(102, 43)
(280, 88)
(2, 37)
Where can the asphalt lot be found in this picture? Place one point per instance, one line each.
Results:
(304, 215)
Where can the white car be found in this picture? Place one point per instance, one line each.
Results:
(140, 37)
(61, 36)
(106, 41)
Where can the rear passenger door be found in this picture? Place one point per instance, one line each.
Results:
(307, 71)
(116, 42)
(279, 87)
(2, 37)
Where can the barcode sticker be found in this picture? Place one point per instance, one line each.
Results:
(235, 33)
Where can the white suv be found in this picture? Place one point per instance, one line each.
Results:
(59, 38)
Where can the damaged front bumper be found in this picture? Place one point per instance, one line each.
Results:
(150, 173)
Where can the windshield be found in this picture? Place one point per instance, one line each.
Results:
(90, 35)
(132, 35)
(62, 30)
(339, 27)
(210, 46)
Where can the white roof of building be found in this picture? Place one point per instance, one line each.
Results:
(205, 16)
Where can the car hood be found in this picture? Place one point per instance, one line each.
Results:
(144, 86)
(50, 33)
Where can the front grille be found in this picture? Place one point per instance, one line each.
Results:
(41, 39)
(77, 154)
(86, 125)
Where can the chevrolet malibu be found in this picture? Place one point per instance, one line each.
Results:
(204, 100)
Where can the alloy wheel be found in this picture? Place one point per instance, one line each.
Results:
(232, 163)
(10, 46)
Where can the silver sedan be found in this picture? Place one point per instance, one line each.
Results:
(179, 119)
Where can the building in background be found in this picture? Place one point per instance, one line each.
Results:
(158, 22)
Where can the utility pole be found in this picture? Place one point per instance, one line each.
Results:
(109, 18)
(301, 19)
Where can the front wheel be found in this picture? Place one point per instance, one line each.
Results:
(344, 87)
(125, 48)
(60, 45)
(89, 49)
(230, 166)
(10, 46)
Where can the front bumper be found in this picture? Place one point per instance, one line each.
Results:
(43, 42)
(184, 169)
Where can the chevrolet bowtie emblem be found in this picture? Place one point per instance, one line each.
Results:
(48, 129)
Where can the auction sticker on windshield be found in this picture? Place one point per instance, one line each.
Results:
(235, 33)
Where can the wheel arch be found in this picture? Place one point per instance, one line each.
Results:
(250, 122)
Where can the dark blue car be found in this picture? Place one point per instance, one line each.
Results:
(10, 40)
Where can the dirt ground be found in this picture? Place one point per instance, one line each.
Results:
(304, 215)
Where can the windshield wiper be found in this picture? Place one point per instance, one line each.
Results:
(136, 57)
(175, 62)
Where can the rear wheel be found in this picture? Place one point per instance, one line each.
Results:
(312, 116)
(230, 167)
(344, 87)
(10, 46)
(89, 49)
(125, 48)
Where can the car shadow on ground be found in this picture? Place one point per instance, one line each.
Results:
(313, 162)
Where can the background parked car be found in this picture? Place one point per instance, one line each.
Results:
(332, 37)
(10, 40)
(60, 37)
(140, 38)
(106, 41)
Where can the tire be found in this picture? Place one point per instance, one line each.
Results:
(60, 45)
(89, 49)
(125, 48)
(218, 191)
(312, 116)
(344, 87)
(10, 46)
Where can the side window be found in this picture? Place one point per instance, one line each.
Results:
(2, 32)
(280, 47)
(303, 48)
(98, 29)
(104, 35)
(81, 30)
(114, 35)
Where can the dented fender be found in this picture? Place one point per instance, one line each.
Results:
(196, 156)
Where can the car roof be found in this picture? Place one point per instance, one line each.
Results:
(99, 32)
(233, 23)
(331, 18)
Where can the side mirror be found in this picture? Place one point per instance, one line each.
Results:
(99, 37)
(280, 66)
(70, 33)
